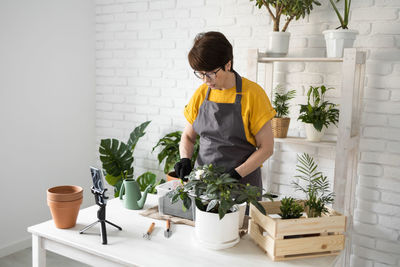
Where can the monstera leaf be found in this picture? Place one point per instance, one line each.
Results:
(136, 134)
(115, 156)
(149, 178)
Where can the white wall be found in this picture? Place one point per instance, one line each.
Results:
(142, 74)
(47, 108)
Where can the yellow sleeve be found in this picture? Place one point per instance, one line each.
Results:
(261, 110)
(192, 108)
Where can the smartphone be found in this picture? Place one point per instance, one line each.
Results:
(97, 179)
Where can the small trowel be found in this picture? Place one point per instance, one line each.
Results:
(167, 232)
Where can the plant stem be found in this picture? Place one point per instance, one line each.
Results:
(287, 23)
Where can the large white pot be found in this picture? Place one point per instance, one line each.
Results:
(278, 44)
(337, 40)
(312, 133)
(213, 233)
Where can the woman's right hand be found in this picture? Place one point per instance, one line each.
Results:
(183, 168)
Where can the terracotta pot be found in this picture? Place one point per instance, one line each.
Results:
(172, 176)
(65, 193)
(64, 213)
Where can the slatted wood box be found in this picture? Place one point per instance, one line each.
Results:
(296, 238)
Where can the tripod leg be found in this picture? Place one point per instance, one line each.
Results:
(87, 227)
(116, 226)
(103, 232)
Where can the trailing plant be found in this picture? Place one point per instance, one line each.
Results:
(291, 9)
(318, 111)
(117, 157)
(290, 208)
(170, 150)
(344, 20)
(149, 178)
(215, 191)
(280, 103)
(316, 188)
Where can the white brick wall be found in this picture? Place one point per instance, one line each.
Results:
(142, 74)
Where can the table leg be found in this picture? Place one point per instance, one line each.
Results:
(38, 253)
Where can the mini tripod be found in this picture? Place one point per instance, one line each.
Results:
(101, 215)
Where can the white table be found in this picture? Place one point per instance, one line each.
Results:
(128, 248)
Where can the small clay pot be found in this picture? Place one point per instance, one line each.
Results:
(65, 193)
(64, 213)
(172, 176)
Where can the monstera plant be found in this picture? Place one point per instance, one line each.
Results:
(117, 157)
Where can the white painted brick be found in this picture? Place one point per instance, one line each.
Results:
(109, 133)
(161, 102)
(134, 117)
(161, 120)
(202, 12)
(137, 44)
(110, 9)
(123, 54)
(374, 14)
(109, 115)
(298, 43)
(144, 91)
(124, 108)
(236, 31)
(150, 34)
(390, 221)
(394, 121)
(104, 106)
(124, 90)
(104, 89)
(104, 123)
(367, 193)
(127, 72)
(113, 45)
(392, 171)
(104, 18)
(389, 133)
(185, 3)
(393, 147)
(110, 27)
(376, 94)
(372, 145)
(163, 24)
(380, 182)
(105, 72)
(150, 73)
(378, 264)
(125, 125)
(237, 10)
(138, 26)
(137, 100)
(374, 119)
(176, 13)
(173, 92)
(126, 35)
(379, 208)
(375, 231)
(363, 27)
(374, 255)
(391, 81)
(391, 247)
(308, 78)
(395, 95)
(383, 107)
(363, 241)
(172, 74)
(103, 36)
(136, 7)
(359, 262)
(151, 15)
(114, 99)
(377, 41)
(138, 81)
(165, 4)
(175, 34)
(385, 54)
(103, 54)
(365, 217)
(110, 81)
(126, 17)
(104, 2)
(386, 27)
(179, 103)
(162, 44)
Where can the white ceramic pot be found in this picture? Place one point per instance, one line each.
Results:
(278, 44)
(337, 40)
(242, 212)
(213, 233)
(312, 133)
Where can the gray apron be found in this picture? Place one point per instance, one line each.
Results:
(222, 137)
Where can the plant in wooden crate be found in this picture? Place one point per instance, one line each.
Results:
(280, 123)
(318, 113)
(316, 188)
(279, 39)
(216, 196)
(341, 37)
(290, 208)
(286, 239)
(169, 153)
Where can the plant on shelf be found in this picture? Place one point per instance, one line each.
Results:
(279, 38)
(318, 113)
(117, 157)
(290, 208)
(280, 123)
(316, 188)
(342, 37)
(170, 151)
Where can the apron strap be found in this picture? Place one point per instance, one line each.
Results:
(208, 93)
(238, 88)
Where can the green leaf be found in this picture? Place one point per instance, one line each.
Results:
(136, 134)
(259, 206)
(146, 179)
(115, 157)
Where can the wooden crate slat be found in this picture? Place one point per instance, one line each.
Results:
(311, 225)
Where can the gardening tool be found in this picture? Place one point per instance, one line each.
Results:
(167, 232)
(149, 231)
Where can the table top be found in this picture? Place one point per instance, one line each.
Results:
(128, 246)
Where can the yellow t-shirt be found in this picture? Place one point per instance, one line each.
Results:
(256, 107)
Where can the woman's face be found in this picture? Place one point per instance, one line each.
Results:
(215, 79)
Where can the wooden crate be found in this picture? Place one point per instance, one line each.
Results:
(296, 238)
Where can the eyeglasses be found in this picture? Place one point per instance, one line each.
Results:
(210, 75)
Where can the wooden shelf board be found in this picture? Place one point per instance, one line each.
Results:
(304, 141)
(263, 58)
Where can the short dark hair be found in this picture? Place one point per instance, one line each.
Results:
(210, 50)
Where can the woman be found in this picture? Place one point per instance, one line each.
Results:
(230, 114)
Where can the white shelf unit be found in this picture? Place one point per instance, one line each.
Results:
(346, 156)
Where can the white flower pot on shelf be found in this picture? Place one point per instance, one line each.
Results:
(312, 133)
(278, 44)
(337, 40)
(213, 233)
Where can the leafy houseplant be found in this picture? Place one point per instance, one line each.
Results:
(149, 178)
(317, 188)
(318, 114)
(170, 151)
(342, 37)
(117, 157)
(291, 10)
(280, 124)
(290, 208)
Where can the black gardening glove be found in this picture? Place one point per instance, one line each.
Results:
(234, 174)
(183, 168)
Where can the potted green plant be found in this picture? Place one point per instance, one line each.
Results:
(117, 158)
(278, 43)
(280, 123)
(149, 179)
(290, 208)
(170, 152)
(341, 37)
(316, 186)
(216, 196)
(318, 114)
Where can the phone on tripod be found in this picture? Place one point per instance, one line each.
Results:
(98, 183)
